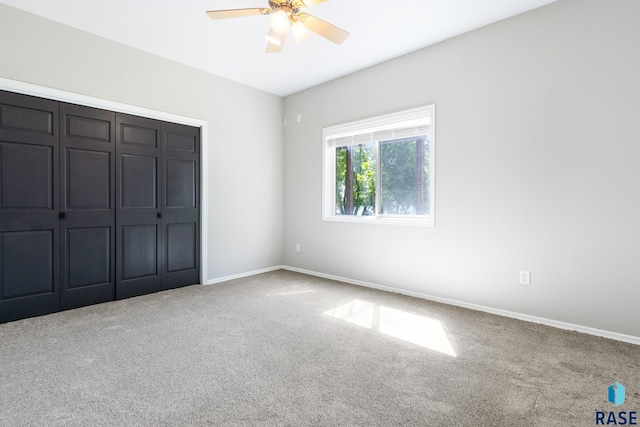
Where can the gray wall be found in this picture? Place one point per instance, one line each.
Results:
(536, 168)
(245, 143)
(536, 157)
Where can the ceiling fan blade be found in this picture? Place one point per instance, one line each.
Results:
(323, 28)
(275, 42)
(310, 3)
(237, 13)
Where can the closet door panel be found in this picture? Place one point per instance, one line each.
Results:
(28, 119)
(29, 228)
(93, 193)
(139, 180)
(139, 251)
(139, 171)
(181, 210)
(27, 263)
(27, 176)
(90, 256)
(181, 183)
(181, 247)
(87, 203)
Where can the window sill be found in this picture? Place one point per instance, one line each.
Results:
(387, 220)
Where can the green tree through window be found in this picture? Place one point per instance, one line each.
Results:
(381, 169)
(404, 181)
(355, 180)
(404, 166)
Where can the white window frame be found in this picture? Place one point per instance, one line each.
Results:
(418, 117)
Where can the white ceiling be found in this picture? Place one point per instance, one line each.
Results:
(234, 48)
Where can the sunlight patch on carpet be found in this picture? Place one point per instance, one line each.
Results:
(419, 330)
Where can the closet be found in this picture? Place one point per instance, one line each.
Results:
(94, 206)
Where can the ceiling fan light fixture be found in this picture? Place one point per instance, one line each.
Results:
(273, 37)
(287, 14)
(280, 21)
(300, 32)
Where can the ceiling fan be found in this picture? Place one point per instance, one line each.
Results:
(287, 14)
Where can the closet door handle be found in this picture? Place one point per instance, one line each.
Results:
(62, 215)
(159, 215)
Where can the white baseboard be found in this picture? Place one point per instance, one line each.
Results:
(534, 319)
(527, 318)
(247, 274)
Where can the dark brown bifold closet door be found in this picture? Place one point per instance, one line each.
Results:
(29, 236)
(180, 205)
(139, 208)
(94, 206)
(87, 196)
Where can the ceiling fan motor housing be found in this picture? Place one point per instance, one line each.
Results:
(289, 6)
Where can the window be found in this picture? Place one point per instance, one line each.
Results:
(381, 170)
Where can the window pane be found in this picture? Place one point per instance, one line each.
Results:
(355, 180)
(377, 170)
(404, 169)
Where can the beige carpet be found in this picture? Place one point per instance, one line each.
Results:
(285, 349)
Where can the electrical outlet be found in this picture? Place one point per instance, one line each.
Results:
(298, 247)
(525, 278)
(299, 118)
